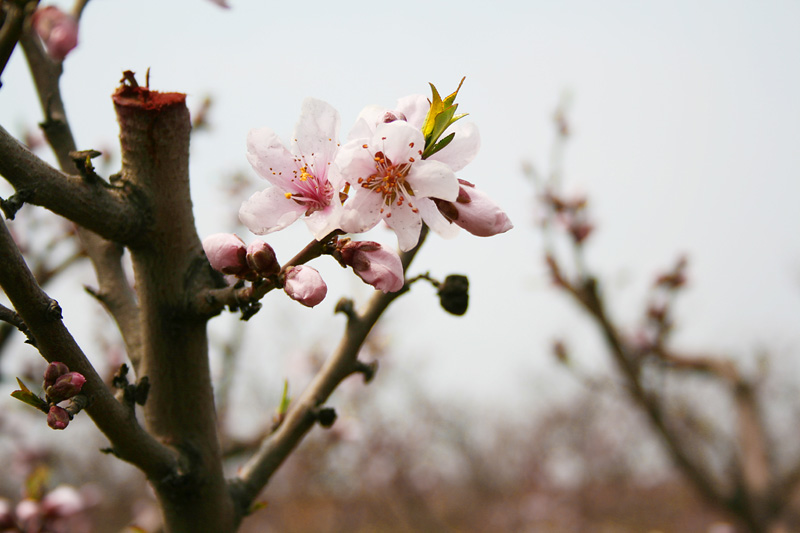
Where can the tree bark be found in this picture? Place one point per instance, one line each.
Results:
(170, 267)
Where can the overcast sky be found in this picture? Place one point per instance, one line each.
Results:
(686, 117)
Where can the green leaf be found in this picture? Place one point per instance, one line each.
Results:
(25, 395)
(284, 405)
(438, 146)
(441, 115)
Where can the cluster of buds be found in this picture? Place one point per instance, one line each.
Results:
(59, 385)
(58, 31)
(228, 254)
(572, 214)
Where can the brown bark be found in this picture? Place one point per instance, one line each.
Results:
(170, 267)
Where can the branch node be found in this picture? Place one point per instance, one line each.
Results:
(54, 310)
(83, 162)
(368, 370)
(326, 416)
(15, 202)
(347, 308)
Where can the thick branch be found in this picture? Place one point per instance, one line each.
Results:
(42, 316)
(170, 269)
(108, 211)
(256, 473)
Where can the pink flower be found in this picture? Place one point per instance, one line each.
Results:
(58, 30)
(391, 179)
(376, 265)
(57, 418)
(305, 180)
(461, 151)
(227, 253)
(475, 212)
(305, 285)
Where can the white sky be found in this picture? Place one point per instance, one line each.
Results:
(686, 117)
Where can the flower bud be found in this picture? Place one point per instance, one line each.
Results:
(53, 371)
(305, 285)
(261, 258)
(391, 116)
(227, 253)
(475, 212)
(376, 265)
(58, 417)
(57, 29)
(65, 387)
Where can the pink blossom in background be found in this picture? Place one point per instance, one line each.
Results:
(305, 180)
(305, 285)
(58, 31)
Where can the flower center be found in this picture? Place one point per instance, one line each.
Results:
(314, 193)
(389, 180)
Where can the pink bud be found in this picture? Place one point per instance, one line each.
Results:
(65, 387)
(475, 212)
(58, 417)
(261, 258)
(53, 372)
(305, 285)
(376, 265)
(57, 29)
(391, 116)
(226, 253)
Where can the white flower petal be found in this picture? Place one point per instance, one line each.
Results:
(435, 220)
(316, 135)
(433, 179)
(406, 224)
(462, 149)
(269, 210)
(415, 108)
(362, 212)
(270, 158)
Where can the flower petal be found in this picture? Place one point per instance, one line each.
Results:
(406, 224)
(435, 220)
(433, 178)
(316, 136)
(270, 158)
(269, 210)
(362, 212)
(462, 149)
(415, 108)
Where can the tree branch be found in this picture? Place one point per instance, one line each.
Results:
(42, 316)
(300, 418)
(114, 290)
(109, 211)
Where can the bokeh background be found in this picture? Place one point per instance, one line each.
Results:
(684, 120)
